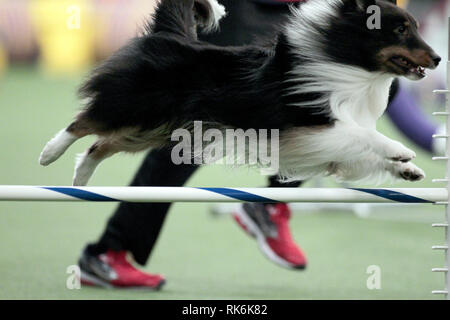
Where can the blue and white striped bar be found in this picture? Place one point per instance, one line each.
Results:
(188, 194)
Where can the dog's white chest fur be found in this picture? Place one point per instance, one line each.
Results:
(357, 95)
(351, 148)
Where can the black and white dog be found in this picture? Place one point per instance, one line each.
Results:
(323, 83)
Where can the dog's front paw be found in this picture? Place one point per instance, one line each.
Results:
(410, 172)
(399, 153)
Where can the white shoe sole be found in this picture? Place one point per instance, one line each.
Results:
(101, 283)
(94, 280)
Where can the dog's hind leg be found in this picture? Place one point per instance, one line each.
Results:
(56, 147)
(88, 161)
(62, 141)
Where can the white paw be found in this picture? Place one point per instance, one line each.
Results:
(47, 156)
(409, 172)
(84, 168)
(80, 179)
(56, 147)
(395, 151)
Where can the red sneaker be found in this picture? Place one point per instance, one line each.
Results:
(113, 270)
(269, 224)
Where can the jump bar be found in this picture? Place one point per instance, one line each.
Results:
(190, 194)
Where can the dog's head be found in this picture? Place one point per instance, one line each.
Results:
(377, 35)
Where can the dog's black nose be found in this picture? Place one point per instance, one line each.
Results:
(436, 60)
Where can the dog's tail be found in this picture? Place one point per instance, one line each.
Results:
(182, 17)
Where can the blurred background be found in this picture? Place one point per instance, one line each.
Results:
(48, 46)
(66, 36)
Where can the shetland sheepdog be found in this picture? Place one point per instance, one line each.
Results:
(323, 82)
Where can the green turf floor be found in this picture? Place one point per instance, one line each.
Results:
(201, 256)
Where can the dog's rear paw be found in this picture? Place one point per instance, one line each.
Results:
(50, 154)
(410, 172)
(77, 182)
(80, 179)
(47, 158)
(56, 147)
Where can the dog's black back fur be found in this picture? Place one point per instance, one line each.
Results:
(167, 76)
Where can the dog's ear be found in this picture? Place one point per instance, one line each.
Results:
(360, 5)
(364, 4)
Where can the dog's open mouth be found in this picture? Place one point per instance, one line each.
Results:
(408, 67)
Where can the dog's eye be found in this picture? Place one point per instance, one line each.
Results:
(401, 30)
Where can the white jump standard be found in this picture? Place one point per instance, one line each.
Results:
(445, 225)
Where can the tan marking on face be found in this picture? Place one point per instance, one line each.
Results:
(387, 53)
(419, 57)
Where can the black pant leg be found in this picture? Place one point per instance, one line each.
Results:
(135, 226)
